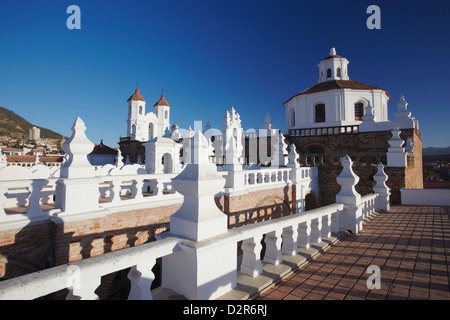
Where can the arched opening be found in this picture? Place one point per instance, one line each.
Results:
(359, 111)
(338, 72)
(166, 114)
(328, 73)
(320, 112)
(140, 110)
(292, 118)
(311, 201)
(167, 163)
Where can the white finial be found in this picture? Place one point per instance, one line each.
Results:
(402, 104)
(293, 158)
(347, 180)
(333, 51)
(77, 148)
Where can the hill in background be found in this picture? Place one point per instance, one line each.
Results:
(16, 127)
(434, 151)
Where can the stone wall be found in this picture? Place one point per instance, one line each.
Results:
(366, 149)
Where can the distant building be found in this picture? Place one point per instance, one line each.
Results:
(143, 127)
(102, 154)
(34, 133)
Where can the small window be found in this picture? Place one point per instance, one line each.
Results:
(338, 72)
(292, 118)
(166, 114)
(359, 111)
(329, 73)
(140, 110)
(320, 112)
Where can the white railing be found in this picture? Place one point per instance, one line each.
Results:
(276, 175)
(83, 277)
(369, 204)
(28, 195)
(283, 236)
(323, 131)
(35, 198)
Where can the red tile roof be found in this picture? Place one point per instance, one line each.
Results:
(338, 84)
(28, 158)
(136, 96)
(161, 102)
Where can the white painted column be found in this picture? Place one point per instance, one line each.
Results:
(204, 268)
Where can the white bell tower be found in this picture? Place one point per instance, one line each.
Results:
(162, 111)
(136, 122)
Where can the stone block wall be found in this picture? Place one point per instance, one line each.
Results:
(366, 149)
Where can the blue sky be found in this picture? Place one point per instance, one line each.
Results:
(211, 55)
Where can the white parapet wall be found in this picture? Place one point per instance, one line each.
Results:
(427, 197)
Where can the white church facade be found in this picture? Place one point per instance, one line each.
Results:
(142, 126)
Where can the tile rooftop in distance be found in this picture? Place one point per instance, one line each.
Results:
(410, 245)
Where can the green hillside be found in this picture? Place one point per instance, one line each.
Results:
(14, 126)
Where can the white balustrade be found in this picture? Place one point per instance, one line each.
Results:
(83, 277)
(283, 236)
(29, 195)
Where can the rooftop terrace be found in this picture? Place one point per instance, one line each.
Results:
(410, 245)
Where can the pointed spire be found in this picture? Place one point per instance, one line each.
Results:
(162, 101)
(136, 96)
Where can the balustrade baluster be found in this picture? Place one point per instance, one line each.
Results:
(136, 189)
(34, 199)
(85, 290)
(326, 226)
(335, 221)
(141, 278)
(316, 230)
(273, 253)
(251, 263)
(290, 236)
(157, 188)
(114, 190)
(304, 235)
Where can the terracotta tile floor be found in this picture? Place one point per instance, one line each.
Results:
(409, 244)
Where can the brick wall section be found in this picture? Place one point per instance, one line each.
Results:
(26, 249)
(82, 239)
(258, 206)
